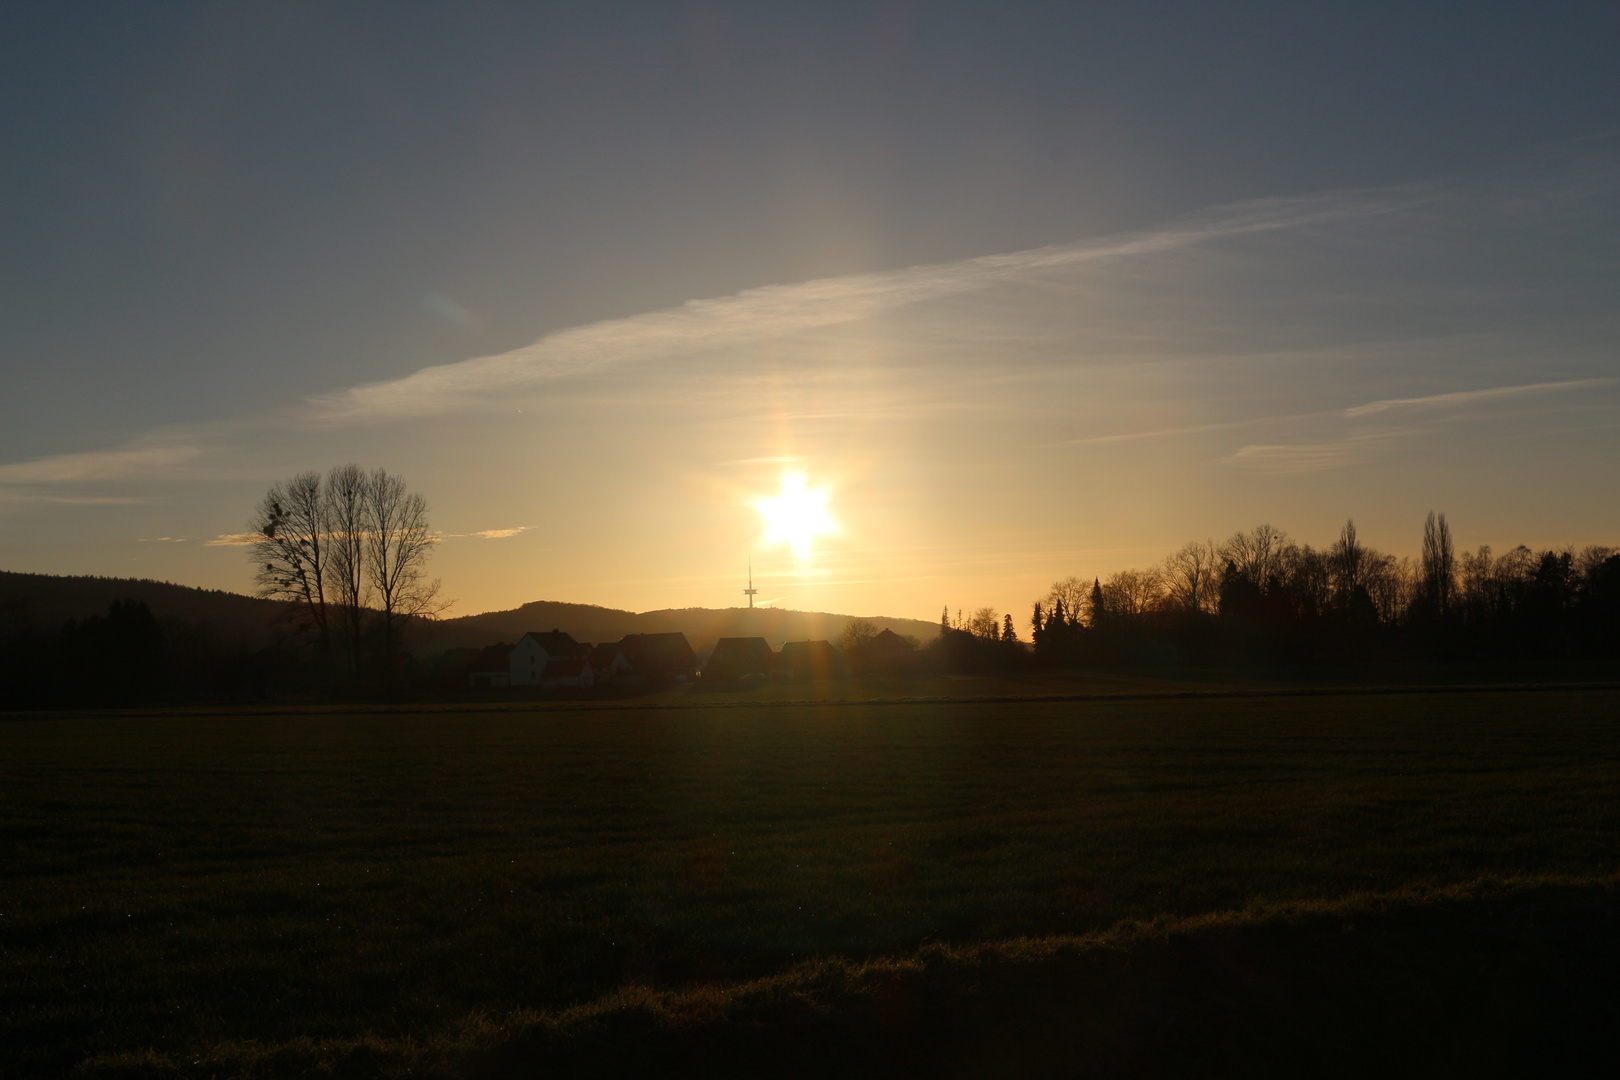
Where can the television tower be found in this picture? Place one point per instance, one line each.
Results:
(750, 591)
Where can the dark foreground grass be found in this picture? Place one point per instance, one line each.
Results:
(1487, 979)
(337, 890)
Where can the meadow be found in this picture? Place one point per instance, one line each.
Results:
(182, 891)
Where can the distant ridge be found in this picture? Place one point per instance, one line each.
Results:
(45, 601)
(702, 626)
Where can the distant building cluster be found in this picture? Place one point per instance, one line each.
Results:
(553, 659)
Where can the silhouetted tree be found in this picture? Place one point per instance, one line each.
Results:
(1133, 592)
(1439, 564)
(1067, 596)
(855, 639)
(1348, 562)
(397, 545)
(346, 487)
(1259, 554)
(1191, 577)
(983, 623)
(291, 548)
(856, 634)
(353, 545)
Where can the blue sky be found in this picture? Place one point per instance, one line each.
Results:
(1031, 290)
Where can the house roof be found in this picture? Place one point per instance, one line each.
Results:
(651, 651)
(555, 642)
(890, 641)
(741, 654)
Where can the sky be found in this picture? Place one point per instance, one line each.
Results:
(1019, 290)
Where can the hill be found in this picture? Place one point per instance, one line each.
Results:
(702, 626)
(45, 601)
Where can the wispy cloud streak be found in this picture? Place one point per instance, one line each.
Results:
(779, 310)
(96, 465)
(1470, 397)
(1313, 457)
(489, 534)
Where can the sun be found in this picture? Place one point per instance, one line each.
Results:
(797, 516)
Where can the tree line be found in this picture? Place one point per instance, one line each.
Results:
(1260, 597)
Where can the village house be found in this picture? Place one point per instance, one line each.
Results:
(801, 660)
(611, 665)
(493, 667)
(739, 658)
(659, 658)
(889, 654)
(553, 659)
(536, 649)
(570, 671)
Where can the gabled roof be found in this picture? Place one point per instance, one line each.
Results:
(654, 651)
(555, 642)
(891, 642)
(739, 656)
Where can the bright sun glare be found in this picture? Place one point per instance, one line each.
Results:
(797, 516)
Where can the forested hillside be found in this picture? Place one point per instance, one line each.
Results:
(702, 626)
(46, 601)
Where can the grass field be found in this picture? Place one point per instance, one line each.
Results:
(177, 884)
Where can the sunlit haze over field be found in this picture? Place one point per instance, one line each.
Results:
(904, 306)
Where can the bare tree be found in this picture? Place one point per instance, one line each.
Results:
(1260, 554)
(397, 545)
(857, 634)
(1132, 592)
(1391, 583)
(1308, 576)
(1073, 595)
(1192, 577)
(1592, 556)
(1348, 560)
(983, 623)
(1439, 563)
(347, 515)
(290, 549)
(1477, 579)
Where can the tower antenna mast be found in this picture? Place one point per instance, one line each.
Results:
(750, 592)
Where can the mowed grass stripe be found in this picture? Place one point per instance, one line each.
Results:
(178, 882)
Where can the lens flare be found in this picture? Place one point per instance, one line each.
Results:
(797, 516)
